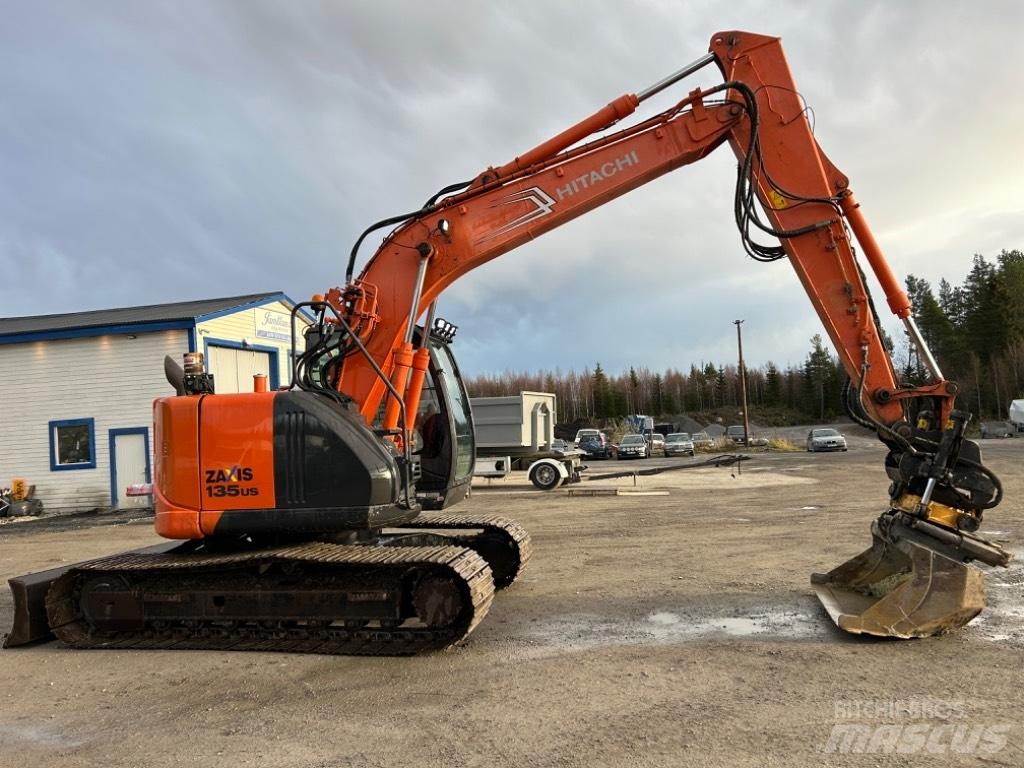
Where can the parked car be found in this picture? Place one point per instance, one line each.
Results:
(825, 439)
(595, 447)
(736, 434)
(996, 429)
(632, 447)
(560, 446)
(679, 444)
(657, 444)
(580, 434)
(702, 440)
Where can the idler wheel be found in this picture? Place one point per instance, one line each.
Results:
(501, 555)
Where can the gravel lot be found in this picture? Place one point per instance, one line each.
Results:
(671, 629)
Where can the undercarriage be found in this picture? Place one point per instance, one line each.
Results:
(419, 587)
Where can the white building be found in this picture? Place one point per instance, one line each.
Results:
(77, 389)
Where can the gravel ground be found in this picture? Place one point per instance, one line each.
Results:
(674, 629)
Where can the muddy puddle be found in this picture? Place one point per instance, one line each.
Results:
(676, 626)
(666, 626)
(19, 735)
(804, 619)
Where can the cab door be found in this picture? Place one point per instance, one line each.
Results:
(445, 445)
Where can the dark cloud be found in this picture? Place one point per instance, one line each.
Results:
(167, 150)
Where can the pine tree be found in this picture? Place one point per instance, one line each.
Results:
(657, 403)
(710, 375)
(1009, 295)
(772, 385)
(935, 326)
(603, 404)
(633, 397)
(951, 299)
(982, 328)
(819, 372)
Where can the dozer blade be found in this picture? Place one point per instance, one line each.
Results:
(900, 589)
(29, 593)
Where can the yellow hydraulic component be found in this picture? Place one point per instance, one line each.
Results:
(937, 513)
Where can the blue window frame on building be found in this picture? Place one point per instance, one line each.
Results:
(72, 444)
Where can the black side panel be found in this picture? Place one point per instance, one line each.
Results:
(301, 522)
(326, 458)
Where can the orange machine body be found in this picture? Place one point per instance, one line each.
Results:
(270, 464)
(216, 454)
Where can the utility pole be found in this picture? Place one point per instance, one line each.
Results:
(743, 385)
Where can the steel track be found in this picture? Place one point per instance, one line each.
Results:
(512, 536)
(358, 564)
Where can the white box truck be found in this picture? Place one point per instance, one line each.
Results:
(521, 429)
(1017, 415)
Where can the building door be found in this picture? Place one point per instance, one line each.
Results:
(233, 369)
(129, 465)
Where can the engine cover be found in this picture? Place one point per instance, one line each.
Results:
(270, 463)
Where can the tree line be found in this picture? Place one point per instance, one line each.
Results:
(975, 330)
(810, 391)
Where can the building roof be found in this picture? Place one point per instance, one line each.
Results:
(178, 314)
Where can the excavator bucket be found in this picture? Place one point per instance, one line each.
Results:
(900, 589)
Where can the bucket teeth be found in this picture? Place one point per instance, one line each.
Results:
(900, 589)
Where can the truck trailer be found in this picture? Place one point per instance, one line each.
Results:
(517, 432)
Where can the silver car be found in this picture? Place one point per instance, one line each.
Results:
(632, 447)
(678, 444)
(825, 439)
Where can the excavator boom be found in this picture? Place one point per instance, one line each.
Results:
(758, 111)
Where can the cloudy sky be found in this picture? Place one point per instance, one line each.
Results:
(164, 151)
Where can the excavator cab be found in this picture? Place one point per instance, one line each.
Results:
(443, 433)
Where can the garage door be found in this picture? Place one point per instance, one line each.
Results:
(233, 369)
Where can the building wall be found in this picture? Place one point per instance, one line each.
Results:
(112, 379)
(252, 326)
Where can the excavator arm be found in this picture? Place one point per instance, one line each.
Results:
(913, 580)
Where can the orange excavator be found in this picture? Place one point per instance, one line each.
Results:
(312, 518)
